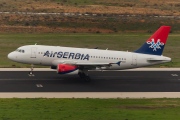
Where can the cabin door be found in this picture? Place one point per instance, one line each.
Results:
(134, 60)
(33, 52)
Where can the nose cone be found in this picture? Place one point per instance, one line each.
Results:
(11, 56)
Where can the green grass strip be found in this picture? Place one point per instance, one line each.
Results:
(89, 109)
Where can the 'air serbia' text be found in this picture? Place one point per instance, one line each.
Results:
(68, 55)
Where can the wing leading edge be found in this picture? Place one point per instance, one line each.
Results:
(86, 65)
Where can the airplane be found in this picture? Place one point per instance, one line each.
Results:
(68, 59)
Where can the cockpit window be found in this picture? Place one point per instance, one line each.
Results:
(20, 50)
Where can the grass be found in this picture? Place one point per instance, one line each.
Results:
(103, 16)
(123, 42)
(76, 2)
(87, 6)
(17, 23)
(89, 109)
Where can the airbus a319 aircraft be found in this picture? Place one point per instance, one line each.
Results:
(68, 59)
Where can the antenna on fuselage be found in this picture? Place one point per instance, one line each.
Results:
(106, 48)
(35, 43)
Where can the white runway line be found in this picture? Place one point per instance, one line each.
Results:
(102, 95)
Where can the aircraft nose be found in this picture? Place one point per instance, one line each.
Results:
(11, 56)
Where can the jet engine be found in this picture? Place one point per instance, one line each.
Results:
(64, 68)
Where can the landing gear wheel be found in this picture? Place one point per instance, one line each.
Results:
(84, 76)
(81, 75)
(31, 72)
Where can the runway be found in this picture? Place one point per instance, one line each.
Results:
(107, 81)
(135, 83)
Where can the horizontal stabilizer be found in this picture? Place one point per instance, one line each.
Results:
(152, 59)
(159, 59)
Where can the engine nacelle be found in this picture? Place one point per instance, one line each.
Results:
(64, 68)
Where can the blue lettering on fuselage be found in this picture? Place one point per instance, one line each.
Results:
(69, 55)
(59, 55)
(65, 55)
(46, 54)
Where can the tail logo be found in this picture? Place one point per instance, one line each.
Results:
(154, 45)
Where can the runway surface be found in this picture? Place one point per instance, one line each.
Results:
(107, 81)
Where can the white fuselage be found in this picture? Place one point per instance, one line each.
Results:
(53, 55)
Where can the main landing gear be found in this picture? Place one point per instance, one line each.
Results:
(83, 75)
(31, 74)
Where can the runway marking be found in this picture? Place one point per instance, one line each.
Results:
(39, 85)
(174, 75)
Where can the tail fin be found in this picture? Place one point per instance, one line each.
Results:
(155, 44)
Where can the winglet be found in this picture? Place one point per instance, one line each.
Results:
(155, 44)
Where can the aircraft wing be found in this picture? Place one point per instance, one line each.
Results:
(85, 65)
(93, 64)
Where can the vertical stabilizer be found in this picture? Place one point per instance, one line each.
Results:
(155, 44)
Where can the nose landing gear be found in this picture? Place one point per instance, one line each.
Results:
(31, 74)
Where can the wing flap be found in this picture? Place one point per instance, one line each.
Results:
(93, 64)
(87, 64)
